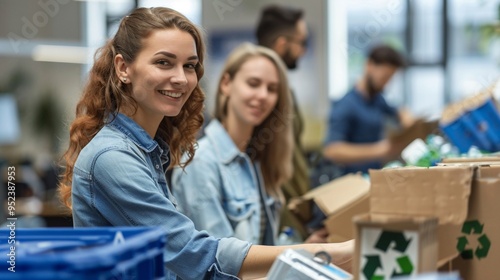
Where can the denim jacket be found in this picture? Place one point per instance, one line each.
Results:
(219, 190)
(119, 180)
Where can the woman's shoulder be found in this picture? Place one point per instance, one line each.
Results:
(204, 164)
(106, 141)
(109, 138)
(205, 152)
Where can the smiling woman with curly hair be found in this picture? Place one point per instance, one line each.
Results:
(140, 111)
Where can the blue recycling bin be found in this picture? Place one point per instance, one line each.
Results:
(83, 253)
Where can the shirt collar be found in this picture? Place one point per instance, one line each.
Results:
(137, 134)
(224, 145)
(362, 97)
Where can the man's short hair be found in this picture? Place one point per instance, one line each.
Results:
(276, 21)
(384, 54)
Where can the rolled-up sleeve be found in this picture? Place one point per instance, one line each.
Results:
(229, 254)
(124, 191)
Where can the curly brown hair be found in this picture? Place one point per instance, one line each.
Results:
(104, 94)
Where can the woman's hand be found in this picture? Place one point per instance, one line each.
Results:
(342, 254)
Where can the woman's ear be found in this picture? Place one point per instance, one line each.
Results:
(121, 69)
(225, 84)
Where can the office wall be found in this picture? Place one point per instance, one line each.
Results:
(41, 20)
(24, 25)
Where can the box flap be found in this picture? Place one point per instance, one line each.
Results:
(489, 171)
(339, 193)
(486, 159)
(339, 225)
(439, 191)
(483, 169)
(419, 129)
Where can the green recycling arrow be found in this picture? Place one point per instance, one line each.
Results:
(462, 243)
(472, 227)
(467, 254)
(387, 237)
(372, 263)
(482, 251)
(405, 265)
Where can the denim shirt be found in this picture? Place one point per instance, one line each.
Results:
(220, 190)
(119, 180)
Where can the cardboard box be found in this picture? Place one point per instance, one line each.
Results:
(388, 246)
(485, 160)
(440, 191)
(458, 195)
(478, 237)
(465, 200)
(419, 129)
(339, 224)
(340, 199)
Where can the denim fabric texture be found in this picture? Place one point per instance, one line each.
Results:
(119, 180)
(219, 190)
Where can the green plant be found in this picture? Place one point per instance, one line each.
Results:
(47, 118)
(16, 80)
(491, 30)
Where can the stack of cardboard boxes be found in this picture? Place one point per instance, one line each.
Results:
(408, 220)
(423, 219)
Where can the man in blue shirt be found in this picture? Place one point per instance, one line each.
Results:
(355, 137)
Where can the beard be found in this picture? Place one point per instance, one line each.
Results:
(371, 88)
(289, 60)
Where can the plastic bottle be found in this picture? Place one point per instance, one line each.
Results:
(426, 154)
(415, 153)
(289, 236)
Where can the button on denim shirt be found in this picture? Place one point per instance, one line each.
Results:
(219, 190)
(119, 180)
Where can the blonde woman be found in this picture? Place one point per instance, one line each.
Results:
(231, 188)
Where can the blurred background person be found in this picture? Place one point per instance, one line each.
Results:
(284, 30)
(357, 122)
(232, 186)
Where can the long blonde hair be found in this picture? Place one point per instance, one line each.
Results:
(272, 142)
(104, 94)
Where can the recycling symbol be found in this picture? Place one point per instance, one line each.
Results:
(384, 241)
(468, 228)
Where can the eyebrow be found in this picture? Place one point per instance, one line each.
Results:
(171, 55)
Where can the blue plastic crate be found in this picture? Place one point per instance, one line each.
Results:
(84, 253)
